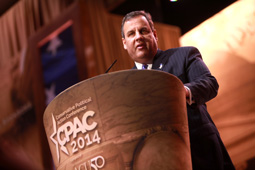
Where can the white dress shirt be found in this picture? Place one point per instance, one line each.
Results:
(139, 66)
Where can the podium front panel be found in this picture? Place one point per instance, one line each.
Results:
(133, 119)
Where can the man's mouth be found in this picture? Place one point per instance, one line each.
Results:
(140, 46)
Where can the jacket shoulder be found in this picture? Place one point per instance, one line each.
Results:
(183, 48)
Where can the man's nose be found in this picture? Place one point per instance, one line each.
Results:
(138, 35)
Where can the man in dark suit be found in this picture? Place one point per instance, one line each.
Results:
(140, 40)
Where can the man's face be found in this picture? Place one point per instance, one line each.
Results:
(140, 41)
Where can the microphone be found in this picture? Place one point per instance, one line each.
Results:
(111, 66)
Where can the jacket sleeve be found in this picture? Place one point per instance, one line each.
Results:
(201, 83)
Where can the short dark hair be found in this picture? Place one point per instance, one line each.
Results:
(133, 14)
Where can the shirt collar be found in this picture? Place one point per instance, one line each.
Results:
(139, 66)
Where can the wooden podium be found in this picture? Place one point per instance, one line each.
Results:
(132, 119)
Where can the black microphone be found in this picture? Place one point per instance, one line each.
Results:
(111, 66)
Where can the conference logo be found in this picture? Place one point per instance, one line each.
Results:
(77, 133)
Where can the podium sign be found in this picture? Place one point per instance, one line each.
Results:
(132, 119)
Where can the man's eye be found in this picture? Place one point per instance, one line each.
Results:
(144, 31)
(130, 34)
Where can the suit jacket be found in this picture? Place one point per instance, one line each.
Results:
(186, 63)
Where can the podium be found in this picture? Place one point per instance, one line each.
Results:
(131, 119)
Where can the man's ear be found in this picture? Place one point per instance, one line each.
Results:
(124, 43)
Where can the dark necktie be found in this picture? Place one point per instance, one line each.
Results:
(145, 66)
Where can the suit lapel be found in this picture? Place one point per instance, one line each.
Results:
(134, 67)
(159, 61)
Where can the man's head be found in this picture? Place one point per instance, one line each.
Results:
(139, 36)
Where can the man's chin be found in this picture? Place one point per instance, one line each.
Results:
(142, 54)
(143, 59)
